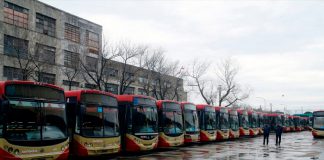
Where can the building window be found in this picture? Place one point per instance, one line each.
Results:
(46, 77)
(71, 59)
(112, 88)
(45, 25)
(141, 91)
(142, 80)
(15, 15)
(73, 83)
(72, 33)
(129, 75)
(91, 63)
(129, 90)
(45, 53)
(15, 47)
(90, 86)
(12, 73)
(93, 42)
(111, 72)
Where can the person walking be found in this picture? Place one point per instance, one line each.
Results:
(266, 133)
(279, 130)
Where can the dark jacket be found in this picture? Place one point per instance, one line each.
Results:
(266, 130)
(279, 130)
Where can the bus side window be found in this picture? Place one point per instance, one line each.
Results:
(129, 118)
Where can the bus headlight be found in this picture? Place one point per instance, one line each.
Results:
(88, 144)
(10, 149)
(16, 152)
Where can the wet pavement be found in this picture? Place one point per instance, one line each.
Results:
(294, 146)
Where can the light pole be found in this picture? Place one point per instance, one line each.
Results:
(264, 102)
(219, 94)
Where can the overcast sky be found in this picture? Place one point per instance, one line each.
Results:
(279, 45)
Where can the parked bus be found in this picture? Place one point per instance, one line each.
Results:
(243, 122)
(93, 122)
(253, 123)
(287, 124)
(139, 123)
(222, 123)
(32, 121)
(207, 122)
(170, 124)
(306, 121)
(273, 119)
(234, 124)
(260, 122)
(191, 123)
(291, 123)
(318, 124)
(297, 125)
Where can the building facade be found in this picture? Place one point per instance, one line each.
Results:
(40, 42)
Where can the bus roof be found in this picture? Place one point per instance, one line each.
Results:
(272, 114)
(184, 103)
(202, 106)
(4, 83)
(159, 102)
(130, 97)
(77, 93)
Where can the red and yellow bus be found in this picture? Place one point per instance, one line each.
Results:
(191, 123)
(318, 124)
(297, 124)
(139, 131)
(260, 122)
(223, 124)
(243, 122)
(93, 122)
(171, 132)
(32, 121)
(273, 119)
(253, 123)
(291, 123)
(234, 124)
(207, 122)
(286, 127)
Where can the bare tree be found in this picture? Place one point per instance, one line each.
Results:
(205, 87)
(230, 90)
(129, 54)
(93, 70)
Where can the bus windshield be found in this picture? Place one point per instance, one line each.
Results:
(172, 115)
(234, 124)
(253, 121)
(35, 121)
(245, 121)
(191, 119)
(210, 120)
(145, 119)
(319, 123)
(224, 121)
(99, 121)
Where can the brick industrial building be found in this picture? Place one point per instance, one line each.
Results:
(55, 39)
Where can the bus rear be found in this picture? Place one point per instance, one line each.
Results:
(207, 122)
(191, 124)
(234, 124)
(140, 123)
(223, 124)
(171, 132)
(93, 122)
(318, 124)
(243, 122)
(33, 121)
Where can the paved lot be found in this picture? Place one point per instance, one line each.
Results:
(295, 146)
